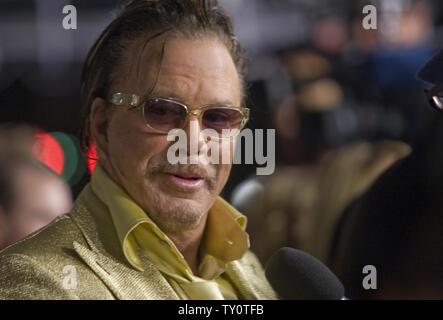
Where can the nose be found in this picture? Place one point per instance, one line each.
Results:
(195, 139)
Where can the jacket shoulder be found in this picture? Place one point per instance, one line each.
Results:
(21, 277)
(44, 265)
(49, 240)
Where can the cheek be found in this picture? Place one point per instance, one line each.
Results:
(226, 156)
(133, 146)
(121, 141)
(223, 174)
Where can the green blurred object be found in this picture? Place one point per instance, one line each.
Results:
(75, 165)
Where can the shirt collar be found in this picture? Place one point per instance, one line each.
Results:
(224, 240)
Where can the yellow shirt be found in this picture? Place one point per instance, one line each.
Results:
(225, 240)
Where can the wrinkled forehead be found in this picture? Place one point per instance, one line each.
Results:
(150, 58)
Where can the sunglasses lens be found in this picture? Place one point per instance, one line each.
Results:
(222, 118)
(164, 115)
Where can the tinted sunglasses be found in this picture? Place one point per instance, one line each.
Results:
(165, 114)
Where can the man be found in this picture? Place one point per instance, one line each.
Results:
(145, 228)
(31, 195)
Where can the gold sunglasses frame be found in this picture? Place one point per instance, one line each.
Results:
(133, 100)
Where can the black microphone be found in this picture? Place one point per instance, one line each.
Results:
(296, 275)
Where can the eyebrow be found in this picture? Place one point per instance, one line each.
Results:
(170, 94)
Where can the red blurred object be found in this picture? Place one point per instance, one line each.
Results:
(48, 151)
(92, 157)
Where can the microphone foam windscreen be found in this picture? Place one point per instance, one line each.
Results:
(296, 275)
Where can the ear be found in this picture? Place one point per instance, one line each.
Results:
(98, 119)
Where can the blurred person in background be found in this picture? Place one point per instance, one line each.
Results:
(279, 205)
(378, 66)
(308, 73)
(397, 227)
(432, 74)
(334, 157)
(348, 174)
(31, 195)
(329, 157)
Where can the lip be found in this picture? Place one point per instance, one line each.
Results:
(187, 182)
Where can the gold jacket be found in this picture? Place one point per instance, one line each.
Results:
(83, 244)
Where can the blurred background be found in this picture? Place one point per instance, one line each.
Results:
(344, 102)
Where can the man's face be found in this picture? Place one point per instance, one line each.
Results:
(197, 72)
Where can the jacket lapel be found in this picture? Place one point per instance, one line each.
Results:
(124, 282)
(102, 253)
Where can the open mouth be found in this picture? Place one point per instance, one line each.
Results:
(187, 176)
(185, 181)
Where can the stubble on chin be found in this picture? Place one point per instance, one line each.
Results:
(172, 213)
(175, 215)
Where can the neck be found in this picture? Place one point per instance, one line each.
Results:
(188, 243)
